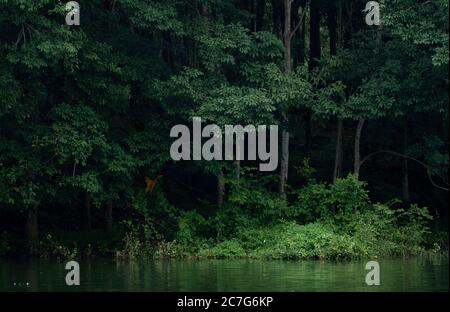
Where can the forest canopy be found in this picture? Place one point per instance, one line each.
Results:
(86, 113)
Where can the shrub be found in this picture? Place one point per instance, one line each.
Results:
(191, 227)
(326, 222)
(312, 241)
(412, 229)
(51, 247)
(253, 201)
(339, 201)
(132, 247)
(227, 249)
(165, 249)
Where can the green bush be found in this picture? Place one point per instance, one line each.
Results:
(165, 249)
(326, 222)
(339, 201)
(227, 249)
(191, 226)
(311, 241)
(251, 200)
(411, 230)
(132, 247)
(51, 247)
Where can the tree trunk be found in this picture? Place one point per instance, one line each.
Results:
(260, 11)
(357, 161)
(287, 37)
(332, 29)
(109, 216)
(301, 51)
(333, 34)
(220, 189)
(277, 17)
(315, 50)
(308, 134)
(405, 180)
(337, 173)
(348, 27)
(340, 25)
(299, 16)
(87, 212)
(237, 173)
(251, 9)
(284, 163)
(32, 227)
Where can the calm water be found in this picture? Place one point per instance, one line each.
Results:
(416, 274)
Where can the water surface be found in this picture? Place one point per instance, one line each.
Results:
(413, 274)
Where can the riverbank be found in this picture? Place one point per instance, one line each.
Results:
(284, 241)
(335, 222)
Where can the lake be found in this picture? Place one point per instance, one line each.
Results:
(410, 274)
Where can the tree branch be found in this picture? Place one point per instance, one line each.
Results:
(410, 158)
(300, 22)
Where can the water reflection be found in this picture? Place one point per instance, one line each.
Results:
(414, 274)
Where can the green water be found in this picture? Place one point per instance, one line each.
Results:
(415, 274)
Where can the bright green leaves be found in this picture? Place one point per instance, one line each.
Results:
(46, 48)
(293, 90)
(102, 78)
(220, 44)
(266, 45)
(76, 133)
(337, 201)
(36, 37)
(154, 15)
(423, 23)
(182, 92)
(237, 105)
(118, 162)
(88, 181)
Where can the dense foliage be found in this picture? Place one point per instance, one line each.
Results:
(86, 112)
